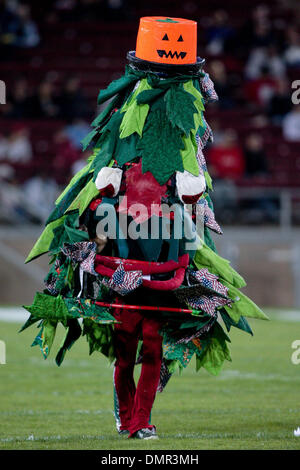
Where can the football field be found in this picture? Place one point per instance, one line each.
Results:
(253, 404)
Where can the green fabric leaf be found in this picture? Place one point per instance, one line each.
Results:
(48, 307)
(100, 338)
(38, 341)
(242, 324)
(67, 232)
(126, 149)
(49, 330)
(181, 352)
(216, 351)
(199, 101)
(208, 180)
(76, 177)
(107, 143)
(85, 308)
(135, 114)
(85, 142)
(148, 96)
(160, 147)
(60, 276)
(198, 104)
(189, 155)
(83, 199)
(66, 201)
(43, 243)
(105, 114)
(208, 239)
(117, 86)
(73, 332)
(134, 120)
(31, 320)
(244, 306)
(142, 86)
(180, 108)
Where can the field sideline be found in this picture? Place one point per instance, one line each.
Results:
(253, 404)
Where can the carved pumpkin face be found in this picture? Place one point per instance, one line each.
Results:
(167, 40)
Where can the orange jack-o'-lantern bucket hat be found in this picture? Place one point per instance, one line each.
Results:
(166, 45)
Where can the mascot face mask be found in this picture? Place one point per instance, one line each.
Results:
(167, 40)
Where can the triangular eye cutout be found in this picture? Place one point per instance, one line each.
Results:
(180, 39)
(165, 38)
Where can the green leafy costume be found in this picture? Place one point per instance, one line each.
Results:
(156, 122)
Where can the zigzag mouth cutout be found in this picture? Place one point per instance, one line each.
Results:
(178, 55)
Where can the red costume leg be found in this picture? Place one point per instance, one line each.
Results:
(126, 340)
(150, 373)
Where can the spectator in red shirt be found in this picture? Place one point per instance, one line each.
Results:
(226, 160)
(65, 156)
(260, 90)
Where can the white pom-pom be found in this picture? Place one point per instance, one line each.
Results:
(109, 176)
(189, 185)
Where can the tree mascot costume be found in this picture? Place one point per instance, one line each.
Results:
(127, 257)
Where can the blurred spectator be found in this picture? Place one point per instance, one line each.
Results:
(265, 57)
(292, 51)
(222, 84)
(225, 201)
(260, 90)
(255, 158)
(40, 193)
(29, 35)
(3, 147)
(9, 25)
(226, 160)
(12, 202)
(257, 30)
(44, 104)
(65, 156)
(263, 208)
(291, 125)
(280, 103)
(115, 10)
(17, 29)
(18, 100)
(17, 147)
(76, 131)
(73, 103)
(218, 133)
(86, 10)
(218, 32)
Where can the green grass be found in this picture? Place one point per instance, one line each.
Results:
(253, 404)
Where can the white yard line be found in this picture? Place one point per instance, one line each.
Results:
(287, 315)
(13, 314)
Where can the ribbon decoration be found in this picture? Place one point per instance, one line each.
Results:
(145, 307)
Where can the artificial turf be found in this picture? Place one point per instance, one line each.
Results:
(253, 404)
